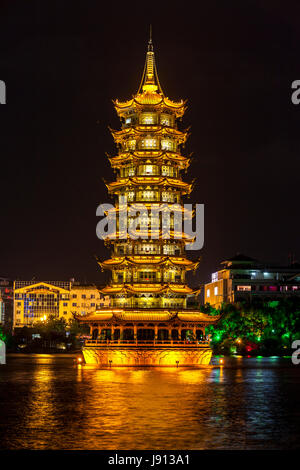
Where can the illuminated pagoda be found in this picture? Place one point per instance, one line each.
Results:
(148, 322)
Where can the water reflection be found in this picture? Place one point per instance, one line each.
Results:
(48, 402)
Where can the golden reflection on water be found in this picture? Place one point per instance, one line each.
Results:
(61, 405)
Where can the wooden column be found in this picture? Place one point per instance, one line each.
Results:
(135, 332)
(155, 333)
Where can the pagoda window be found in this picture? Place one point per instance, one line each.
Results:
(127, 171)
(148, 195)
(130, 144)
(147, 276)
(130, 195)
(148, 118)
(148, 170)
(167, 196)
(168, 250)
(149, 143)
(166, 120)
(167, 170)
(167, 144)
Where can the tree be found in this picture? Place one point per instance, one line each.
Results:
(261, 326)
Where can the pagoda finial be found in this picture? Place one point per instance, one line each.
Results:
(150, 45)
(150, 82)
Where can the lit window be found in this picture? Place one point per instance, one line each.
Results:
(165, 120)
(149, 169)
(149, 143)
(128, 120)
(216, 290)
(244, 288)
(130, 195)
(130, 144)
(148, 118)
(208, 293)
(166, 144)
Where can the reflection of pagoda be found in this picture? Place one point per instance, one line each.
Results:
(148, 322)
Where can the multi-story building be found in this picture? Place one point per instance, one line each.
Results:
(6, 302)
(149, 321)
(35, 301)
(242, 277)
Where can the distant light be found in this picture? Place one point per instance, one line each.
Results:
(79, 359)
(221, 361)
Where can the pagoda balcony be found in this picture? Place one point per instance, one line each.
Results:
(150, 343)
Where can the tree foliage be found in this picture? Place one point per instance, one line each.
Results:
(259, 326)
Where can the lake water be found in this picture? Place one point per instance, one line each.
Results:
(48, 402)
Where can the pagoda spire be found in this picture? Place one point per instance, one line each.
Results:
(150, 82)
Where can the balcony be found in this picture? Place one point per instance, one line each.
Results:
(146, 343)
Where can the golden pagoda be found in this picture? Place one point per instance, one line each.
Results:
(148, 322)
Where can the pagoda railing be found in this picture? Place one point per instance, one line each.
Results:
(97, 342)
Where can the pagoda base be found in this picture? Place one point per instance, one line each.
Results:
(141, 356)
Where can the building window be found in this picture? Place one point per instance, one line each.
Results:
(92, 296)
(92, 305)
(216, 290)
(244, 288)
(165, 119)
(83, 296)
(208, 293)
(130, 144)
(148, 118)
(166, 144)
(130, 195)
(74, 296)
(149, 143)
(65, 304)
(74, 305)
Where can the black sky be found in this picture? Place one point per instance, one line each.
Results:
(64, 61)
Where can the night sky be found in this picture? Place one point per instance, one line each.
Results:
(63, 62)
